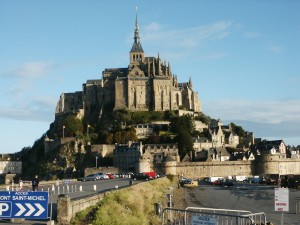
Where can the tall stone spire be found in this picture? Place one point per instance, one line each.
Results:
(137, 52)
(137, 46)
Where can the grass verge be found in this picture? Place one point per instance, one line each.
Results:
(130, 206)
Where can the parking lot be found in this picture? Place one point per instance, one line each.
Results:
(251, 197)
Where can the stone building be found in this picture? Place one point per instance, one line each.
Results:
(147, 84)
(142, 158)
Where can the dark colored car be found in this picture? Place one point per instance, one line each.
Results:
(226, 183)
(140, 176)
(271, 181)
(185, 181)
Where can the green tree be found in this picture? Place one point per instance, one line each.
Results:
(185, 143)
(238, 130)
(182, 123)
(184, 126)
(73, 126)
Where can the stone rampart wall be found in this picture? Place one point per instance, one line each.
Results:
(264, 165)
(206, 169)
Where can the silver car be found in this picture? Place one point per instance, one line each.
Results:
(102, 176)
(91, 177)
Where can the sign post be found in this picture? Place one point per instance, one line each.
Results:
(23, 204)
(282, 201)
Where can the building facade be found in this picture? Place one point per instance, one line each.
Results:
(147, 84)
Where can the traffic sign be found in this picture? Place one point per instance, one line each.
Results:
(23, 204)
(282, 199)
(203, 220)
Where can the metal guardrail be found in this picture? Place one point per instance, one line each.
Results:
(192, 215)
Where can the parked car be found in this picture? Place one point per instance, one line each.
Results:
(187, 182)
(226, 183)
(217, 182)
(90, 177)
(140, 176)
(103, 176)
(110, 176)
(271, 181)
(152, 174)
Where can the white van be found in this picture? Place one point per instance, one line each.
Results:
(212, 179)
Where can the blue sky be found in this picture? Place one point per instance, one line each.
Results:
(242, 56)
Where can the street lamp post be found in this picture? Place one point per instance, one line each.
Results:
(64, 131)
(87, 132)
(96, 161)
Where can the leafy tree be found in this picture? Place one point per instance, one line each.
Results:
(184, 127)
(203, 118)
(73, 126)
(185, 143)
(118, 137)
(109, 138)
(238, 130)
(182, 123)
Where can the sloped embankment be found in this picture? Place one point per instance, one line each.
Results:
(133, 205)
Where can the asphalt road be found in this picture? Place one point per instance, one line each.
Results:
(250, 197)
(74, 190)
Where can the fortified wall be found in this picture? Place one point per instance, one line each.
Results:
(263, 165)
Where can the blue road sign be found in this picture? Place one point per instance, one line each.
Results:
(23, 204)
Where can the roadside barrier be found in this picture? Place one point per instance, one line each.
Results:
(211, 216)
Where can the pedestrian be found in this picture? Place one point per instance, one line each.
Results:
(20, 184)
(35, 183)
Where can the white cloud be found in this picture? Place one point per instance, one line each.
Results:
(276, 49)
(189, 38)
(256, 111)
(271, 120)
(36, 109)
(29, 70)
(251, 34)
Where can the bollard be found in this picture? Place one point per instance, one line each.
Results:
(130, 182)
(95, 187)
(68, 188)
(297, 207)
(157, 208)
(7, 188)
(80, 188)
(116, 187)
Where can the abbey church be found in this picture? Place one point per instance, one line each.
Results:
(147, 84)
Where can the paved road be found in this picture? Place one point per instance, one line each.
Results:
(251, 197)
(72, 189)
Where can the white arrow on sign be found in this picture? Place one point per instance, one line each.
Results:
(31, 209)
(41, 209)
(22, 209)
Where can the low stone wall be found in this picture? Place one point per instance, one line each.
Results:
(67, 208)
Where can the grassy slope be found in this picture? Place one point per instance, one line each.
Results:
(134, 205)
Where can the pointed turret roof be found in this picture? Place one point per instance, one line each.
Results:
(190, 83)
(137, 46)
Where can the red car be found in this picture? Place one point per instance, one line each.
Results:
(110, 176)
(216, 182)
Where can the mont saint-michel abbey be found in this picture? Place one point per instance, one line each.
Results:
(147, 84)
